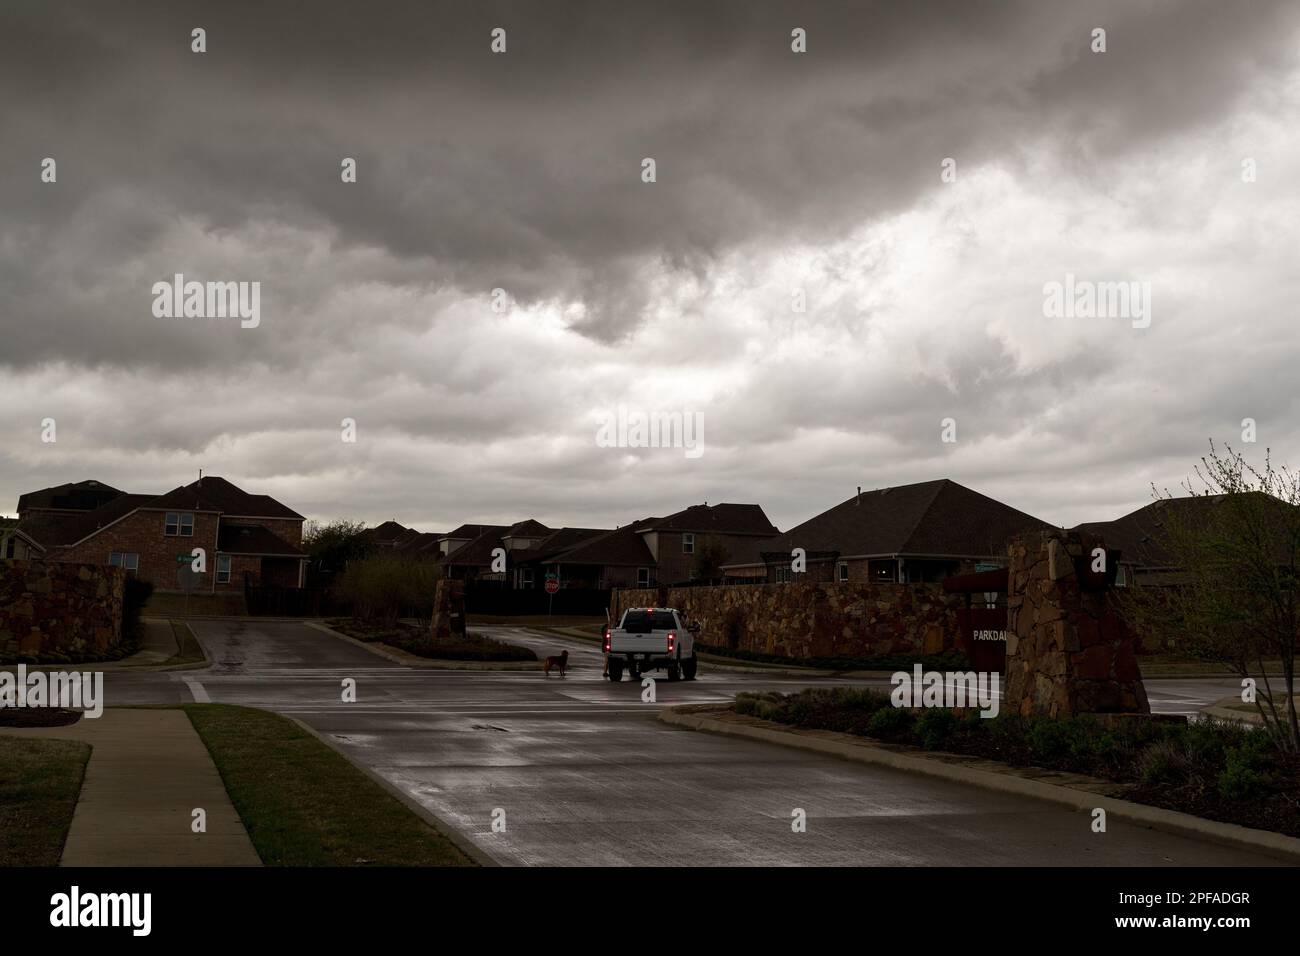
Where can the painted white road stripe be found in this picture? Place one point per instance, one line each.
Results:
(200, 695)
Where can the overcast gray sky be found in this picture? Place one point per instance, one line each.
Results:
(776, 171)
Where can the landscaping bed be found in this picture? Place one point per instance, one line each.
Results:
(304, 804)
(40, 781)
(416, 640)
(1219, 770)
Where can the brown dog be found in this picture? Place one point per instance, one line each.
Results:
(560, 661)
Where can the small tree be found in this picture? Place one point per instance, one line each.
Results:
(1231, 594)
(382, 587)
(335, 545)
(710, 555)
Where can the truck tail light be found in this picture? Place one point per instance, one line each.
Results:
(672, 641)
(605, 639)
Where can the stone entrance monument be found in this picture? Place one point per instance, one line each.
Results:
(1068, 651)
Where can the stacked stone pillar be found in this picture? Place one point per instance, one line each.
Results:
(1068, 651)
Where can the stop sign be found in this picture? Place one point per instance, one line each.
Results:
(552, 586)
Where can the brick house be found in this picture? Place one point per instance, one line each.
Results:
(909, 533)
(249, 539)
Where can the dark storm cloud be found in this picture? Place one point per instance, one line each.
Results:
(521, 171)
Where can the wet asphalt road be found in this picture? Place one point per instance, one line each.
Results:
(586, 775)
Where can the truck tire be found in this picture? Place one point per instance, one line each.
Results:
(672, 670)
(688, 668)
(615, 670)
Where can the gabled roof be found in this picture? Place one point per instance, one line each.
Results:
(470, 531)
(1141, 535)
(75, 496)
(931, 518)
(623, 547)
(53, 530)
(11, 526)
(478, 552)
(556, 543)
(722, 518)
(527, 529)
(389, 532)
(419, 545)
(236, 538)
(212, 493)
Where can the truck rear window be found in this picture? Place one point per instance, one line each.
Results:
(643, 622)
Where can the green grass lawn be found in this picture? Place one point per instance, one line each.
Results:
(40, 781)
(303, 804)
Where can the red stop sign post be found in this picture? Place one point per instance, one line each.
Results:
(552, 585)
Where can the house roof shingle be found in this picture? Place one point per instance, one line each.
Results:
(477, 552)
(213, 493)
(623, 547)
(74, 496)
(929, 518)
(254, 539)
(724, 518)
(1140, 536)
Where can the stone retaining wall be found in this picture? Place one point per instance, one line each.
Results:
(54, 607)
(799, 620)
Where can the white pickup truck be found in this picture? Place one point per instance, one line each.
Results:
(647, 638)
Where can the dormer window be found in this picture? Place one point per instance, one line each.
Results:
(178, 525)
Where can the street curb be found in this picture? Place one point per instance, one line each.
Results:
(398, 656)
(471, 849)
(861, 751)
(1224, 713)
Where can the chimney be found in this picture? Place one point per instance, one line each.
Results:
(859, 501)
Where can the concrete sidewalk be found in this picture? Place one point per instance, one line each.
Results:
(148, 772)
(157, 646)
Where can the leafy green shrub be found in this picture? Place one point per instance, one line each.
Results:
(1247, 767)
(934, 727)
(1165, 764)
(890, 723)
(382, 588)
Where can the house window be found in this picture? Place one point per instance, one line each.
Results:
(124, 559)
(643, 577)
(223, 569)
(843, 572)
(178, 525)
(526, 575)
(688, 544)
(883, 572)
(782, 575)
